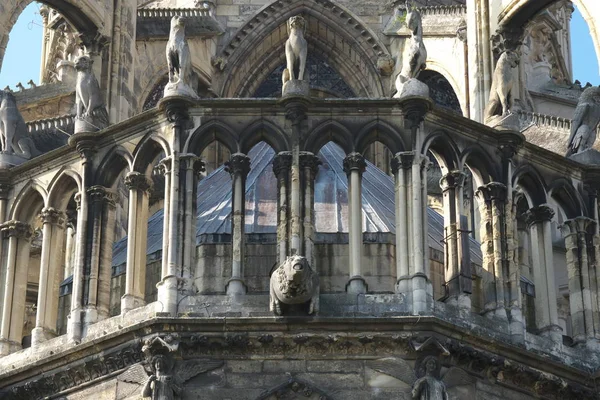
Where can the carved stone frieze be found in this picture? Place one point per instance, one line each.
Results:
(292, 389)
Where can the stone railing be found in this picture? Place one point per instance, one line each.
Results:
(527, 118)
(62, 124)
(443, 10)
(205, 9)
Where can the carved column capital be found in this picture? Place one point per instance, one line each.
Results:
(402, 160)
(85, 144)
(493, 191)
(541, 213)
(578, 225)
(163, 167)
(238, 164)
(509, 142)
(309, 160)
(452, 180)
(282, 163)
(4, 191)
(354, 162)
(17, 229)
(51, 215)
(138, 181)
(100, 194)
(193, 162)
(176, 110)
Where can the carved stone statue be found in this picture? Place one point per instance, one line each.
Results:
(426, 383)
(294, 282)
(501, 99)
(295, 54)
(14, 136)
(91, 111)
(179, 61)
(161, 376)
(585, 121)
(414, 59)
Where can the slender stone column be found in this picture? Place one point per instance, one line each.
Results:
(492, 200)
(281, 167)
(50, 275)
(4, 193)
(451, 185)
(238, 166)
(422, 294)
(575, 232)
(11, 330)
(401, 166)
(309, 163)
(98, 265)
(191, 167)
(164, 168)
(354, 166)
(71, 223)
(137, 234)
(538, 219)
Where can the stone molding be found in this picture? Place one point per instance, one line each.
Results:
(51, 215)
(354, 162)
(17, 229)
(541, 213)
(238, 165)
(282, 163)
(138, 181)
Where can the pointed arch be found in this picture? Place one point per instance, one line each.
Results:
(263, 130)
(477, 159)
(65, 183)
(209, 132)
(333, 33)
(114, 162)
(30, 200)
(329, 131)
(443, 148)
(531, 184)
(147, 150)
(567, 197)
(382, 132)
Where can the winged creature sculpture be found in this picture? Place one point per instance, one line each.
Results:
(585, 121)
(426, 383)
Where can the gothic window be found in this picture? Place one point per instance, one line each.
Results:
(441, 91)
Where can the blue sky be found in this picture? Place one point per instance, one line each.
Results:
(22, 60)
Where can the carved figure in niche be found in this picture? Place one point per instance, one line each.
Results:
(501, 99)
(179, 61)
(88, 97)
(585, 121)
(426, 383)
(296, 49)
(14, 136)
(294, 282)
(414, 60)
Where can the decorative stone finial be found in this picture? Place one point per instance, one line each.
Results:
(585, 124)
(295, 55)
(179, 62)
(17, 146)
(91, 110)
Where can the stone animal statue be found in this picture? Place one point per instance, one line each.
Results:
(415, 58)
(294, 282)
(295, 50)
(14, 136)
(179, 60)
(425, 379)
(501, 99)
(89, 99)
(585, 121)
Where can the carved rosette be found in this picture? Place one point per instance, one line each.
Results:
(238, 165)
(309, 161)
(537, 214)
(452, 180)
(138, 181)
(402, 160)
(99, 193)
(50, 215)
(354, 162)
(17, 229)
(282, 164)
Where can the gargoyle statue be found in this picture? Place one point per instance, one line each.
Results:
(163, 378)
(179, 61)
(294, 282)
(585, 121)
(88, 97)
(295, 50)
(14, 136)
(501, 99)
(415, 58)
(426, 383)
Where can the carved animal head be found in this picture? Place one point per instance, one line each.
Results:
(297, 22)
(296, 269)
(177, 22)
(83, 64)
(511, 57)
(590, 95)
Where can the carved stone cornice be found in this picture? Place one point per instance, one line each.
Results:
(282, 163)
(138, 181)
(193, 162)
(309, 160)
(452, 180)
(354, 162)
(238, 164)
(541, 213)
(17, 229)
(402, 160)
(51, 215)
(99, 193)
(493, 191)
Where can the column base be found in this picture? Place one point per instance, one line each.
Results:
(130, 302)
(357, 285)
(422, 298)
(552, 332)
(8, 347)
(167, 295)
(235, 286)
(40, 335)
(75, 325)
(517, 325)
(495, 311)
(403, 285)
